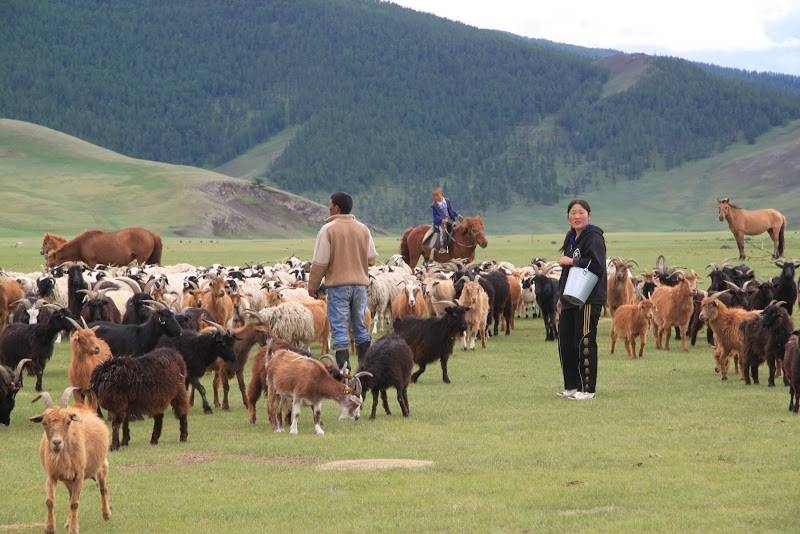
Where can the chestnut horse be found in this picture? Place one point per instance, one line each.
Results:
(111, 248)
(744, 222)
(466, 236)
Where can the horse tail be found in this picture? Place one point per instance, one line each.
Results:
(781, 238)
(155, 256)
(404, 250)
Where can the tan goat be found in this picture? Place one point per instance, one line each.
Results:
(88, 351)
(629, 322)
(218, 303)
(673, 307)
(620, 288)
(74, 447)
(409, 302)
(322, 327)
(474, 298)
(725, 322)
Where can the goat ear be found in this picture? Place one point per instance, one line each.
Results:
(36, 419)
(74, 417)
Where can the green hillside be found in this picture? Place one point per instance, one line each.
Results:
(57, 183)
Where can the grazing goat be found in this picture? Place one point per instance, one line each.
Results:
(10, 384)
(475, 300)
(673, 307)
(34, 341)
(302, 380)
(144, 385)
(137, 339)
(629, 322)
(88, 351)
(764, 340)
(791, 370)
(73, 448)
(725, 322)
(199, 351)
(432, 339)
(389, 362)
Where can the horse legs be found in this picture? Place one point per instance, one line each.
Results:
(740, 243)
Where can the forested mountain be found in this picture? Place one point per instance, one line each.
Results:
(371, 98)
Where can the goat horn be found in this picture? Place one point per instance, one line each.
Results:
(219, 327)
(65, 395)
(6, 375)
(45, 396)
(732, 285)
(329, 358)
(18, 301)
(156, 303)
(73, 322)
(20, 366)
(84, 322)
(52, 306)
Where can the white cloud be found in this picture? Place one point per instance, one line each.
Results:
(684, 28)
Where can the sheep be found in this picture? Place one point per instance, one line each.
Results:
(432, 339)
(438, 292)
(409, 302)
(620, 286)
(791, 370)
(73, 448)
(245, 337)
(725, 321)
(303, 380)
(290, 321)
(10, 384)
(137, 339)
(475, 300)
(630, 321)
(381, 291)
(673, 307)
(129, 387)
(35, 341)
(764, 339)
(199, 350)
(389, 362)
(88, 351)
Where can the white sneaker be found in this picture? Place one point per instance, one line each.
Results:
(566, 393)
(581, 395)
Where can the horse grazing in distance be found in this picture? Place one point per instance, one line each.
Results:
(110, 248)
(744, 222)
(466, 236)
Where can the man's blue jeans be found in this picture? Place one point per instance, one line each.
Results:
(346, 305)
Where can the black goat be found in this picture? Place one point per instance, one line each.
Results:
(75, 285)
(199, 350)
(785, 286)
(34, 341)
(144, 385)
(499, 298)
(10, 384)
(389, 360)
(138, 339)
(433, 338)
(100, 308)
(764, 340)
(791, 370)
(137, 309)
(547, 295)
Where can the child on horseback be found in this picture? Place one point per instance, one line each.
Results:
(443, 216)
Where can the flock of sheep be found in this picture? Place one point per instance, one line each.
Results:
(141, 336)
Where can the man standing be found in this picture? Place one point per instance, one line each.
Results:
(343, 251)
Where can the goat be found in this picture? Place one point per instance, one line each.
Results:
(476, 301)
(322, 327)
(785, 288)
(673, 307)
(432, 339)
(34, 341)
(10, 293)
(303, 380)
(10, 384)
(389, 362)
(218, 303)
(630, 321)
(725, 321)
(138, 339)
(791, 370)
(409, 302)
(764, 340)
(547, 296)
(245, 337)
(199, 350)
(88, 351)
(620, 287)
(73, 448)
(144, 385)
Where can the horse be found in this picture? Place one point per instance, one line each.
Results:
(465, 238)
(744, 222)
(94, 247)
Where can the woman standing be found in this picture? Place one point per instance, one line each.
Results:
(584, 246)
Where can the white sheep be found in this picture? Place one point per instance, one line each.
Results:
(290, 321)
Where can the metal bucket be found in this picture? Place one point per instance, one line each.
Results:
(580, 283)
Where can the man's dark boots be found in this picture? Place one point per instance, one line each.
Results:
(362, 349)
(342, 357)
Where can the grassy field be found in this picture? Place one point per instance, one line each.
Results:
(665, 447)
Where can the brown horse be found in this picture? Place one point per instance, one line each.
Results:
(466, 236)
(111, 248)
(744, 222)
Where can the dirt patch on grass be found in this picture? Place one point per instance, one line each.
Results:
(16, 527)
(376, 463)
(204, 457)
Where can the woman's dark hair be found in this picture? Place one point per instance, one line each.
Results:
(585, 205)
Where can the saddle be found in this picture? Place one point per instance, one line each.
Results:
(429, 239)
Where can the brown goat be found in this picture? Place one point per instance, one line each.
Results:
(245, 338)
(73, 448)
(791, 370)
(410, 302)
(88, 351)
(10, 293)
(322, 327)
(724, 322)
(620, 288)
(673, 307)
(218, 303)
(629, 322)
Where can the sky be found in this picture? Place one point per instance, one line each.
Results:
(755, 35)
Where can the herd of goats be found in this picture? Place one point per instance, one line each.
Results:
(142, 335)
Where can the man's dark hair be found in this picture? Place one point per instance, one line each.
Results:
(344, 202)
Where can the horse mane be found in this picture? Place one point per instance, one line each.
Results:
(729, 203)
